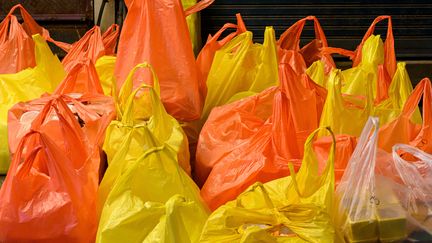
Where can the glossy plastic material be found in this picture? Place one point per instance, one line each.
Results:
(25, 85)
(49, 194)
(296, 208)
(127, 137)
(156, 32)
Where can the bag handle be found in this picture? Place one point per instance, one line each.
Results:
(240, 28)
(335, 50)
(306, 163)
(265, 194)
(424, 89)
(26, 165)
(290, 39)
(68, 85)
(198, 7)
(109, 39)
(127, 94)
(389, 49)
(31, 27)
(418, 153)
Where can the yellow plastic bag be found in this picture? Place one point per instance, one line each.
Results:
(194, 25)
(105, 69)
(26, 85)
(240, 68)
(297, 208)
(134, 210)
(398, 93)
(345, 114)
(128, 137)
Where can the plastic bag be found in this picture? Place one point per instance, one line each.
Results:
(16, 44)
(301, 58)
(247, 141)
(26, 85)
(105, 69)
(92, 46)
(369, 210)
(411, 182)
(297, 208)
(82, 92)
(127, 138)
(50, 191)
(351, 111)
(404, 129)
(152, 178)
(194, 25)
(180, 77)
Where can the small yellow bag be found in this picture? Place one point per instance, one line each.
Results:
(26, 85)
(134, 210)
(297, 208)
(128, 136)
(105, 69)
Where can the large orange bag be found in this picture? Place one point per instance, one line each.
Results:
(403, 129)
(247, 141)
(16, 43)
(92, 45)
(301, 58)
(82, 92)
(49, 194)
(156, 32)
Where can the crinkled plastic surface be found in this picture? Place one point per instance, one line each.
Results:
(128, 137)
(50, 191)
(105, 68)
(25, 85)
(159, 23)
(297, 208)
(148, 181)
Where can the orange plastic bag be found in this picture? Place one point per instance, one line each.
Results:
(49, 194)
(92, 45)
(82, 92)
(301, 58)
(403, 129)
(156, 32)
(16, 43)
(247, 141)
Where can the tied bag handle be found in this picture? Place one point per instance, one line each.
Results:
(290, 39)
(329, 169)
(424, 89)
(68, 85)
(389, 49)
(127, 96)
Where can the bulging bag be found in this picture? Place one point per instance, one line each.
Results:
(152, 179)
(411, 181)
(50, 191)
(247, 141)
(25, 85)
(105, 68)
(369, 210)
(174, 61)
(127, 138)
(82, 92)
(295, 208)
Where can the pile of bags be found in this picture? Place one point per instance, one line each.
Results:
(132, 138)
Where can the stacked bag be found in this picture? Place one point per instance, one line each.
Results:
(132, 138)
